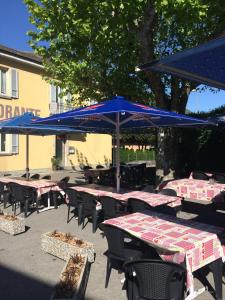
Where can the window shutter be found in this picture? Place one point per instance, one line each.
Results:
(3, 81)
(53, 93)
(15, 83)
(15, 143)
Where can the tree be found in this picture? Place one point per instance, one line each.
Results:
(91, 48)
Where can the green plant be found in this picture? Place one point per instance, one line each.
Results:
(55, 162)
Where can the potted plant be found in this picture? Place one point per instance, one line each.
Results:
(64, 245)
(55, 163)
(11, 224)
(73, 279)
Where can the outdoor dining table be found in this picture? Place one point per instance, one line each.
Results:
(181, 241)
(42, 186)
(154, 199)
(92, 174)
(197, 189)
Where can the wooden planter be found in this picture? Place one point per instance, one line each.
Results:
(12, 227)
(80, 289)
(63, 250)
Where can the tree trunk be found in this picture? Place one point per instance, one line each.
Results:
(167, 163)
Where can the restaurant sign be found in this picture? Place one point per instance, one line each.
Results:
(8, 111)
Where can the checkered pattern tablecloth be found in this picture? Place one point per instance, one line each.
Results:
(196, 189)
(176, 240)
(99, 193)
(42, 186)
(154, 199)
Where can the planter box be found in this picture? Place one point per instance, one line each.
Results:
(12, 226)
(80, 289)
(63, 250)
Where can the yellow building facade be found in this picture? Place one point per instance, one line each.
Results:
(22, 89)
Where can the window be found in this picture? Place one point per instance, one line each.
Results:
(9, 83)
(2, 142)
(2, 81)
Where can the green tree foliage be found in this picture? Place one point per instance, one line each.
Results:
(203, 149)
(94, 46)
(91, 49)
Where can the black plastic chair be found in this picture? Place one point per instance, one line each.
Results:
(87, 208)
(73, 201)
(218, 177)
(87, 168)
(119, 251)
(35, 176)
(99, 167)
(112, 208)
(48, 177)
(168, 192)
(57, 196)
(136, 205)
(24, 175)
(154, 279)
(4, 193)
(23, 196)
(200, 175)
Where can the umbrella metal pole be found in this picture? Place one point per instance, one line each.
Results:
(27, 156)
(117, 152)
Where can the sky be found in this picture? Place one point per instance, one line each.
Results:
(13, 27)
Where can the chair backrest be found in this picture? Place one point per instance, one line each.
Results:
(73, 196)
(200, 175)
(168, 192)
(136, 205)
(2, 187)
(157, 279)
(109, 205)
(24, 175)
(115, 239)
(99, 167)
(35, 176)
(19, 192)
(87, 168)
(88, 201)
(48, 177)
(219, 177)
(63, 182)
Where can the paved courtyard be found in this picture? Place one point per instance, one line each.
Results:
(26, 272)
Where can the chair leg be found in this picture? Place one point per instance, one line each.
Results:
(26, 207)
(80, 214)
(14, 207)
(5, 199)
(217, 270)
(68, 214)
(108, 272)
(94, 220)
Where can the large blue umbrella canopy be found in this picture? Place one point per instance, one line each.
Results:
(118, 114)
(204, 64)
(24, 125)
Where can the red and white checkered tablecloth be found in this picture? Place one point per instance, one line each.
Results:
(196, 189)
(175, 239)
(42, 186)
(154, 199)
(150, 198)
(99, 193)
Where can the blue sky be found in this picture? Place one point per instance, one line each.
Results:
(13, 27)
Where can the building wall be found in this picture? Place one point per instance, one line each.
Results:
(90, 149)
(34, 96)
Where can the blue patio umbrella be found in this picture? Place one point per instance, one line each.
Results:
(23, 125)
(204, 64)
(117, 115)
